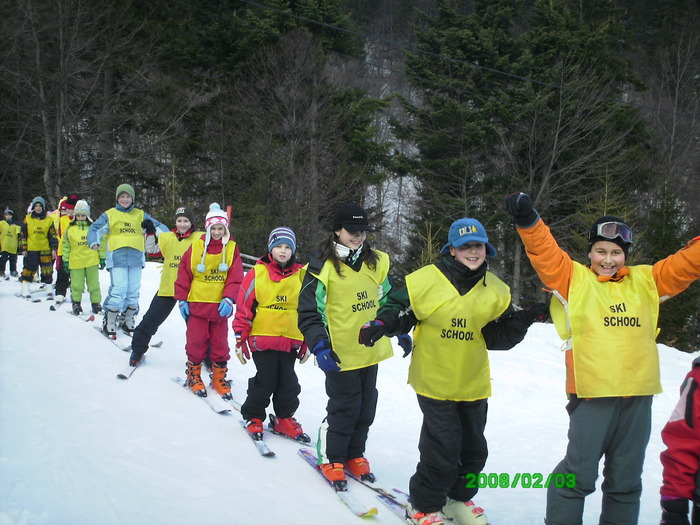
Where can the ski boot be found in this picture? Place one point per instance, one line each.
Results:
(218, 380)
(135, 357)
(290, 427)
(14, 274)
(109, 323)
(335, 473)
(465, 512)
(25, 289)
(254, 426)
(359, 467)
(96, 308)
(129, 319)
(49, 292)
(77, 309)
(59, 299)
(194, 379)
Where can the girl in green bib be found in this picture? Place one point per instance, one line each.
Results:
(346, 281)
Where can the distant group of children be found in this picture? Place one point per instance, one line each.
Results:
(341, 308)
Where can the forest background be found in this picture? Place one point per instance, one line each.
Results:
(423, 111)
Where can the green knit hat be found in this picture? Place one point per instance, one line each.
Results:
(125, 188)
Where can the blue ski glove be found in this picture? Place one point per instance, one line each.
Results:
(225, 307)
(371, 332)
(519, 206)
(406, 343)
(326, 358)
(184, 310)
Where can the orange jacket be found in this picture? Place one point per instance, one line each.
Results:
(554, 266)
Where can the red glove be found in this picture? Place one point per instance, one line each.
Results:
(242, 349)
(303, 354)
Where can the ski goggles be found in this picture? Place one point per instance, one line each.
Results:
(612, 230)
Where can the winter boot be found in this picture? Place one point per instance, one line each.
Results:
(96, 308)
(77, 309)
(218, 380)
(59, 299)
(136, 356)
(25, 289)
(129, 319)
(464, 512)
(359, 468)
(289, 427)
(49, 292)
(14, 274)
(194, 379)
(335, 473)
(109, 323)
(254, 427)
(674, 511)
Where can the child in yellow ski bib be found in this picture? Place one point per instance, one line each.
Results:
(607, 313)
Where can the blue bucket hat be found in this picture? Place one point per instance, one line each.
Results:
(467, 230)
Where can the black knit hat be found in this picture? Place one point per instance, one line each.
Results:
(185, 211)
(351, 217)
(617, 231)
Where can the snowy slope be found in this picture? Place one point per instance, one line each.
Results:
(78, 446)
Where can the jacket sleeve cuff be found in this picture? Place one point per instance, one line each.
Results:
(527, 222)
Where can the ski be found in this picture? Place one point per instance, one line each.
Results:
(56, 306)
(83, 316)
(30, 298)
(352, 503)
(128, 348)
(262, 447)
(214, 400)
(397, 495)
(126, 373)
(395, 507)
(113, 339)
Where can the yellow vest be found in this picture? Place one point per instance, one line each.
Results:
(63, 223)
(80, 254)
(37, 233)
(172, 250)
(353, 299)
(450, 359)
(125, 229)
(208, 287)
(276, 313)
(9, 237)
(612, 326)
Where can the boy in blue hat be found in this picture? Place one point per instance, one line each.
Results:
(459, 310)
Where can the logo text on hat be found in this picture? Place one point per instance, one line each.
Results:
(467, 229)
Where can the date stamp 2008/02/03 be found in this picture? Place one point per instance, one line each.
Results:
(525, 480)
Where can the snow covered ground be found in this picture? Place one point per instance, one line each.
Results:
(78, 446)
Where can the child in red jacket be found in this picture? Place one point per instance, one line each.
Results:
(266, 328)
(681, 460)
(207, 284)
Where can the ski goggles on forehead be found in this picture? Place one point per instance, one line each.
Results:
(612, 230)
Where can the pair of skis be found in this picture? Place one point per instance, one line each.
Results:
(115, 340)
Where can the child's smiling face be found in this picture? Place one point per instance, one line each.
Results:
(124, 200)
(607, 258)
(352, 240)
(472, 255)
(217, 231)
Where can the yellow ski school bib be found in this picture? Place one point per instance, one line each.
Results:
(612, 328)
(208, 286)
(81, 256)
(172, 250)
(450, 359)
(37, 233)
(125, 230)
(276, 313)
(353, 300)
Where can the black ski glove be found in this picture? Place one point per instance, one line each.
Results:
(519, 206)
(538, 312)
(371, 332)
(148, 226)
